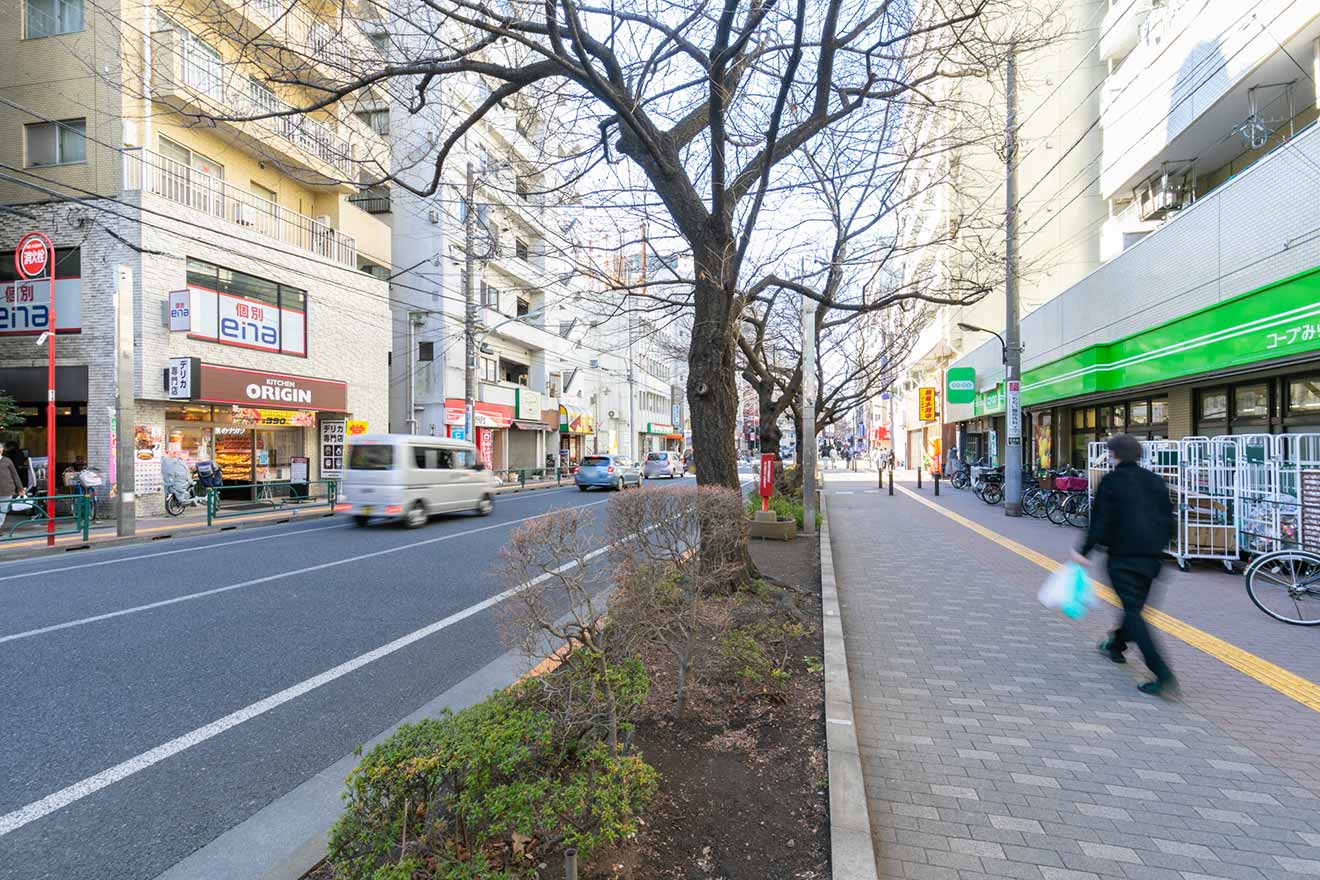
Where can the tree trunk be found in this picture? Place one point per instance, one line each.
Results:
(712, 389)
(768, 431)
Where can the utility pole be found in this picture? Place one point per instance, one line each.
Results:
(469, 306)
(125, 408)
(1012, 348)
(808, 455)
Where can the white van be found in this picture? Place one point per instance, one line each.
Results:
(409, 478)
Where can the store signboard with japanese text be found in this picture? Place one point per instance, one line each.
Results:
(180, 310)
(273, 418)
(147, 444)
(960, 385)
(25, 307)
(242, 387)
(355, 428)
(486, 446)
(529, 405)
(332, 447)
(182, 378)
(246, 323)
(1013, 408)
(926, 404)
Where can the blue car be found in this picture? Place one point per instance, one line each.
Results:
(607, 472)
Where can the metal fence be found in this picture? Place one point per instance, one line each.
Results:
(25, 518)
(317, 496)
(522, 476)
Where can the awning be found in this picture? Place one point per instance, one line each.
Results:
(575, 420)
(484, 415)
(530, 426)
(658, 428)
(673, 436)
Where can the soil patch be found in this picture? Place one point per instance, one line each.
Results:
(744, 778)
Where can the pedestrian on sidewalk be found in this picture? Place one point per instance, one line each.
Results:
(1131, 517)
(10, 485)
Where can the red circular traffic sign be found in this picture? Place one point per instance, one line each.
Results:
(32, 255)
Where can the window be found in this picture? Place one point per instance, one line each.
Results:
(489, 369)
(68, 264)
(425, 458)
(1304, 395)
(1159, 412)
(461, 459)
(56, 143)
(426, 351)
(1251, 402)
(520, 187)
(523, 308)
(370, 458)
(222, 280)
(1213, 406)
(1140, 413)
(47, 18)
(490, 296)
(520, 249)
(377, 120)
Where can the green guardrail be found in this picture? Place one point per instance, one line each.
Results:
(523, 476)
(27, 515)
(244, 499)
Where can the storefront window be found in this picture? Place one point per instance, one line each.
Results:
(1214, 405)
(1159, 413)
(188, 413)
(1116, 422)
(1304, 395)
(1251, 402)
(1139, 414)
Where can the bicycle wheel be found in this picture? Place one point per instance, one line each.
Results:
(1077, 511)
(1286, 586)
(1054, 508)
(173, 506)
(959, 480)
(992, 494)
(1033, 502)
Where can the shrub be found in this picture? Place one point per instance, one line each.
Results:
(476, 794)
(784, 508)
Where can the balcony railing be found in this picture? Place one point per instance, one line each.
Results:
(301, 25)
(146, 171)
(238, 95)
(375, 200)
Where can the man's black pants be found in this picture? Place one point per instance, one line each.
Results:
(1131, 578)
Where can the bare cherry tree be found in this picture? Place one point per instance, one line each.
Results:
(698, 110)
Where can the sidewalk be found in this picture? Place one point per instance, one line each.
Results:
(996, 742)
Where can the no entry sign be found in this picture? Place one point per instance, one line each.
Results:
(32, 255)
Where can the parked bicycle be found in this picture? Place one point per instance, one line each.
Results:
(1285, 585)
(183, 488)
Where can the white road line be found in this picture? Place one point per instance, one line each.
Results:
(92, 784)
(284, 533)
(138, 609)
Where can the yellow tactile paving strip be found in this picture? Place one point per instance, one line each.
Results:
(1292, 686)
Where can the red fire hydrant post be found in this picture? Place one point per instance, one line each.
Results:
(767, 486)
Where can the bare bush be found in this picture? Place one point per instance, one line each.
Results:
(673, 551)
(557, 608)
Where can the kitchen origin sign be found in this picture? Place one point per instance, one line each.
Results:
(241, 387)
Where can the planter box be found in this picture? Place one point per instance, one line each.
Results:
(775, 529)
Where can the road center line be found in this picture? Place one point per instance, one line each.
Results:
(92, 784)
(138, 609)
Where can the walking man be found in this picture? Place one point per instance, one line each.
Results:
(1131, 517)
(10, 485)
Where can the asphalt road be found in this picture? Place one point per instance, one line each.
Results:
(153, 696)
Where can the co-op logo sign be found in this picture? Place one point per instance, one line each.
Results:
(277, 391)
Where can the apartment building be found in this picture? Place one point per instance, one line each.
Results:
(1203, 320)
(236, 245)
(952, 235)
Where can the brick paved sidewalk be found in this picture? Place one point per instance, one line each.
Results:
(996, 741)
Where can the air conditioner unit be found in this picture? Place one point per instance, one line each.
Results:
(1166, 191)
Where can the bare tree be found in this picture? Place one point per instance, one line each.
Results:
(699, 110)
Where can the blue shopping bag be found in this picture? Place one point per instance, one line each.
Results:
(1068, 589)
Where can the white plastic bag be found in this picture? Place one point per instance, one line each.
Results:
(1068, 589)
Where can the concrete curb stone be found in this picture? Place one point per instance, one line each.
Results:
(852, 853)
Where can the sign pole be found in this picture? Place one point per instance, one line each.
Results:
(125, 408)
(34, 255)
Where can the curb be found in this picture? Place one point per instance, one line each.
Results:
(852, 852)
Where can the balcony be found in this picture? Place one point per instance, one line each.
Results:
(327, 48)
(149, 172)
(190, 82)
(1121, 27)
(375, 200)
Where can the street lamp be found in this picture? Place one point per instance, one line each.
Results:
(1003, 347)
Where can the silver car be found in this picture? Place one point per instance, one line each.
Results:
(663, 464)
